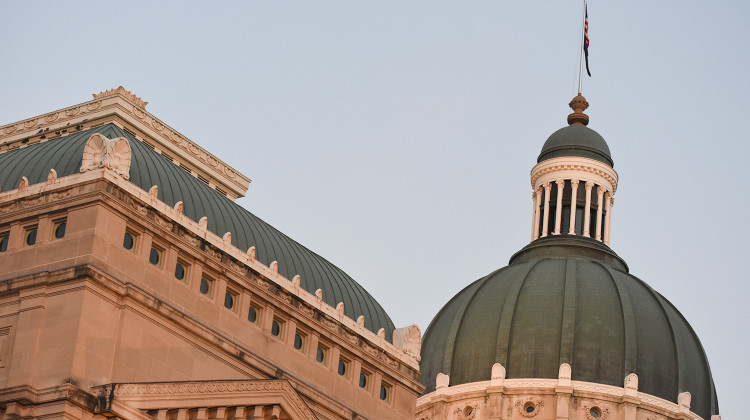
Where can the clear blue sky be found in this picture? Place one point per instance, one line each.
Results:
(396, 138)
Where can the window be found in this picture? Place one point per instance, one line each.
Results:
(277, 328)
(128, 241)
(364, 379)
(230, 300)
(300, 339)
(58, 229)
(4, 242)
(206, 287)
(180, 271)
(155, 256)
(321, 355)
(253, 314)
(343, 369)
(385, 392)
(30, 236)
(529, 407)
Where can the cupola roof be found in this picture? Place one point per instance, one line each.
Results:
(577, 139)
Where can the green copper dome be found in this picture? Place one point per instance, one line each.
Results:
(576, 140)
(568, 300)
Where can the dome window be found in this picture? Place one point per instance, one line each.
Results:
(206, 286)
(154, 257)
(58, 231)
(529, 408)
(385, 392)
(4, 242)
(364, 379)
(277, 328)
(299, 341)
(180, 271)
(320, 355)
(30, 236)
(343, 369)
(128, 241)
(253, 314)
(230, 300)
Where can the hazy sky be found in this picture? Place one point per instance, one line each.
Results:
(395, 138)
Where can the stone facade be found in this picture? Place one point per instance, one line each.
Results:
(94, 324)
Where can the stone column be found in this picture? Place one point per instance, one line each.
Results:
(573, 202)
(587, 211)
(545, 221)
(558, 211)
(600, 204)
(610, 201)
(537, 214)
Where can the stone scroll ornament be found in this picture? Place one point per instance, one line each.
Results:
(113, 154)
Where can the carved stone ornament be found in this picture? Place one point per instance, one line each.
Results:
(468, 412)
(124, 92)
(101, 152)
(408, 340)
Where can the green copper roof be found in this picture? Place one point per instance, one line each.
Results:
(568, 301)
(576, 140)
(148, 168)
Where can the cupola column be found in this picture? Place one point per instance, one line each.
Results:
(558, 209)
(599, 203)
(545, 216)
(609, 202)
(537, 215)
(573, 202)
(587, 211)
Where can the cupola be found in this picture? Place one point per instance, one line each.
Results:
(574, 182)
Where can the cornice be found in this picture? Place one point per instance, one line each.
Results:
(269, 277)
(124, 105)
(174, 395)
(588, 168)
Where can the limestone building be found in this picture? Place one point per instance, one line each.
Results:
(133, 286)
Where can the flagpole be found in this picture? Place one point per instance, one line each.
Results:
(580, 45)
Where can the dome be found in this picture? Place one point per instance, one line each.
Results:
(576, 140)
(568, 300)
(149, 168)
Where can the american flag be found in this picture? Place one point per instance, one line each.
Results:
(586, 38)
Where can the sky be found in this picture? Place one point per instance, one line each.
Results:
(395, 138)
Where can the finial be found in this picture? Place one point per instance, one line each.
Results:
(578, 104)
